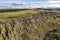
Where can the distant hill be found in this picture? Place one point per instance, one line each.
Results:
(11, 10)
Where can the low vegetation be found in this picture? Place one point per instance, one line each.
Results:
(30, 25)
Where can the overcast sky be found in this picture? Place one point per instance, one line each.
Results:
(34, 3)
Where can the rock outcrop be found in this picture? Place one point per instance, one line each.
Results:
(33, 27)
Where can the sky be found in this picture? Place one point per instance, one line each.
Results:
(29, 3)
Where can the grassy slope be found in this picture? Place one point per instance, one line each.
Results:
(18, 14)
(17, 32)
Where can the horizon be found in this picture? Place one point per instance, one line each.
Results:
(29, 4)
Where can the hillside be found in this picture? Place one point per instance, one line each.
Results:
(30, 25)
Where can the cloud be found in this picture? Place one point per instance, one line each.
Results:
(52, 3)
(47, 3)
(33, 4)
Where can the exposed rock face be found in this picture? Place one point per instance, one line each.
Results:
(52, 35)
(29, 28)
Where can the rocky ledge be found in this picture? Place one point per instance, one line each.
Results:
(33, 27)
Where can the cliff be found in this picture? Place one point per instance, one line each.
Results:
(34, 27)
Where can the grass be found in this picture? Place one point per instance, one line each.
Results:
(26, 30)
(18, 14)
